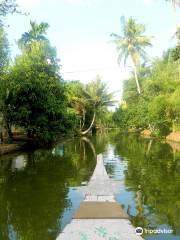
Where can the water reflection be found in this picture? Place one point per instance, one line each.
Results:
(58, 150)
(37, 195)
(152, 177)
(19, 163)
(39, 190)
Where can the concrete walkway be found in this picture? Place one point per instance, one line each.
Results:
(99, 217)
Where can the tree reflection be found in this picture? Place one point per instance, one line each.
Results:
(154, 178)
(33, 198)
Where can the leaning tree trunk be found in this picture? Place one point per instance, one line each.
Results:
(137, 81)
(91, 125)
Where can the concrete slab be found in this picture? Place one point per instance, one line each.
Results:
(99, 229)
(100, 210)
(99, 215)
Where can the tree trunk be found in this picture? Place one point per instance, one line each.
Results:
(91, 125)
(137, 81)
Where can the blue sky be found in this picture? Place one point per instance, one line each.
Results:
(80, 30)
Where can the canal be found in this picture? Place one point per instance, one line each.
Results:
(40, 190)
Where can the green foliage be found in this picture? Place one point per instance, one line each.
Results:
(76, 102)
(159, 117)
(96, 94)
(157, 109)
(89, 99)
(97, 100)
(35, 34)
(176, 53)
(36, 97)
(120, 118)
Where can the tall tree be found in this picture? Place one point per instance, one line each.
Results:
(37, 33)
(35, 40)
(37, 100)
(132, 44)
(96, 96)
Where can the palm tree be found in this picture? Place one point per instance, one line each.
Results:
(96, 96)
(36, 34)
(132, 44)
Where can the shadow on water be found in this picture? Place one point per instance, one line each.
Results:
(38, 190)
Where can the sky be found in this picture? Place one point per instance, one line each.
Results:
(80, 30)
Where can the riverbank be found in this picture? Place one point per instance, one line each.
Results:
(22, 142)
(19, 142)
(9, 148)
(172, 137)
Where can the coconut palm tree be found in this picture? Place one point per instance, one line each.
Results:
(132, 44)
(36, 34)
(96, 96)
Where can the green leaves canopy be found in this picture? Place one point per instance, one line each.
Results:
(36, 93)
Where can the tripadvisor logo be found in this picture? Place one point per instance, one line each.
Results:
(139, 231)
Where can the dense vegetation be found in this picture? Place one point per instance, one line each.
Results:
(156, 106)
(35, 98)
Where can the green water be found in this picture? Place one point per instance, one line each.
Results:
(39, 190)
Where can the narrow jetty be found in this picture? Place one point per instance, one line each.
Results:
(99, 216)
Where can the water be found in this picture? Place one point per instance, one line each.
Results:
(39, 190)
